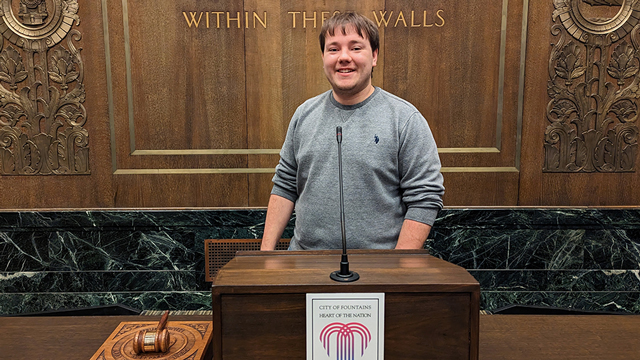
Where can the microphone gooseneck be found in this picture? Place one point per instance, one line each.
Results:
(342, 220)
(342, 275)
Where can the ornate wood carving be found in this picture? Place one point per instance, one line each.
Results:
(42, 90)
(594, 87)
(188, 340)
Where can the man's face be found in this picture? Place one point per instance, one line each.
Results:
(348, 62)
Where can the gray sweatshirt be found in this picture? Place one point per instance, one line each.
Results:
(391, 171)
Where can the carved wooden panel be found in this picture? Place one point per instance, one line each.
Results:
(42, 92)
(594, 87)
(537, 186)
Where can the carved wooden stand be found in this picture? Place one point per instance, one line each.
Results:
(189, 340)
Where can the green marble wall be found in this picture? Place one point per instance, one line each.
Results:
(585, 259)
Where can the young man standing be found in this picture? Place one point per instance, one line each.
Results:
(392, 182)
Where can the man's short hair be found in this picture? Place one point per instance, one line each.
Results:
(364, 26)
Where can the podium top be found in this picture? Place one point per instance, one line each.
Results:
(308, 271)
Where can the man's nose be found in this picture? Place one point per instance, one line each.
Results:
(344, 56)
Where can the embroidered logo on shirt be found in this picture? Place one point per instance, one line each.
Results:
(376, 138)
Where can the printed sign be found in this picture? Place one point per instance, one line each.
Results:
(344, 326)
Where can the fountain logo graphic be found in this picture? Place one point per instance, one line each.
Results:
(344, 340)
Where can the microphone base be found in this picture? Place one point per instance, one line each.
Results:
(351, 276)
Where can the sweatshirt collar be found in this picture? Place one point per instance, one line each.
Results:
(376, 90)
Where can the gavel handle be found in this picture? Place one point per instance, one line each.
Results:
(163, 320)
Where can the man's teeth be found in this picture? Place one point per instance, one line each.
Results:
(345, 71)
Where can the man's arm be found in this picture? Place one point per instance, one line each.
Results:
(279, 213)
(412, 235)
(421, 182)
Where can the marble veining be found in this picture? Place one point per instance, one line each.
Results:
(593, 301)
(99, 281)
(558, 280)
(580, 258)
(41, 302)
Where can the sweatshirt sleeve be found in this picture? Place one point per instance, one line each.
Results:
(421, 182)
(284, 181)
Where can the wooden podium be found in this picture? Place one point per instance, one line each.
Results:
(259, 299)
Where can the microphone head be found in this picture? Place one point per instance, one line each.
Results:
(339, 134)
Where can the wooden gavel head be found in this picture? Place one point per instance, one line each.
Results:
(146, 341)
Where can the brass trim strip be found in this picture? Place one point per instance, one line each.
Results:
(277, 151)
(503, 50)
(272, 170)
(208, 152)
(194, 171)
(523, 57)
(467, 150)
(479, 170)
(107, 55)
(127, 57)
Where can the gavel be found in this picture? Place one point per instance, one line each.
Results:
(146, 341)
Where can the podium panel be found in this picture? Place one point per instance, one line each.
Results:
(259, 303)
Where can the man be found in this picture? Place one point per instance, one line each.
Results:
(392, 182)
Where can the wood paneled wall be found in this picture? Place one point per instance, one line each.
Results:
(188, 101)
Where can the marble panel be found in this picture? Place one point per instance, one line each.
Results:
(99, 281)
(558, 280)
(40, 302)
(99, 250)
(154, 259)
(614, 248)
(471, 249)
(545, 218)
(140, 219)
(610, 301)
(574, 249)
(544, 249)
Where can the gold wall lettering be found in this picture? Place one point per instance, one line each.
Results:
(594, 88)
(41, 90)
(309, 19)
(424, 19)
(225, 19)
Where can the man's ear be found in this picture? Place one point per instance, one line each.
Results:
(375, 57)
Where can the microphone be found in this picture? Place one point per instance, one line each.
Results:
(342, 275)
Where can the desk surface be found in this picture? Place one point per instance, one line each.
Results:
(385, 269)
(508, 337)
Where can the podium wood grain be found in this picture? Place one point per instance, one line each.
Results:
(259, 303)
